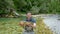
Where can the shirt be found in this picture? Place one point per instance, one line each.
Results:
(31, 20)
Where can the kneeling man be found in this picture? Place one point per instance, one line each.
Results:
(29, 23)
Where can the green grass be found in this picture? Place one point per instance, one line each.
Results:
(42, 28)
(11, 26)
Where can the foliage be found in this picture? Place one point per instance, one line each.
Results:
(39, 6)
(3, 6)
(34, 6)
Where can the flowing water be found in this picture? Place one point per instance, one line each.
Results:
(53, 21)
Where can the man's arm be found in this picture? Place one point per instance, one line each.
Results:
(34, 23)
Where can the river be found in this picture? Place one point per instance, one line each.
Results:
(53, 22)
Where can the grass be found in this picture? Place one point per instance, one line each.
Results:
(11, 26)
(42, 28)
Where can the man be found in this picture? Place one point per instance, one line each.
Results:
(31, 23)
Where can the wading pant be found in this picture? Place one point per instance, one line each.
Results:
(28, 30)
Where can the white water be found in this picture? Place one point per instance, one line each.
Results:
(53, 23)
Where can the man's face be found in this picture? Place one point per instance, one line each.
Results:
(29, 15)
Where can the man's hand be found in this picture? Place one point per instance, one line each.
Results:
(21, 23)
(34, 25)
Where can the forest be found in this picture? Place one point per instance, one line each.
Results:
(17, 7)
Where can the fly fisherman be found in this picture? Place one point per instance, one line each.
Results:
(29, 23)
